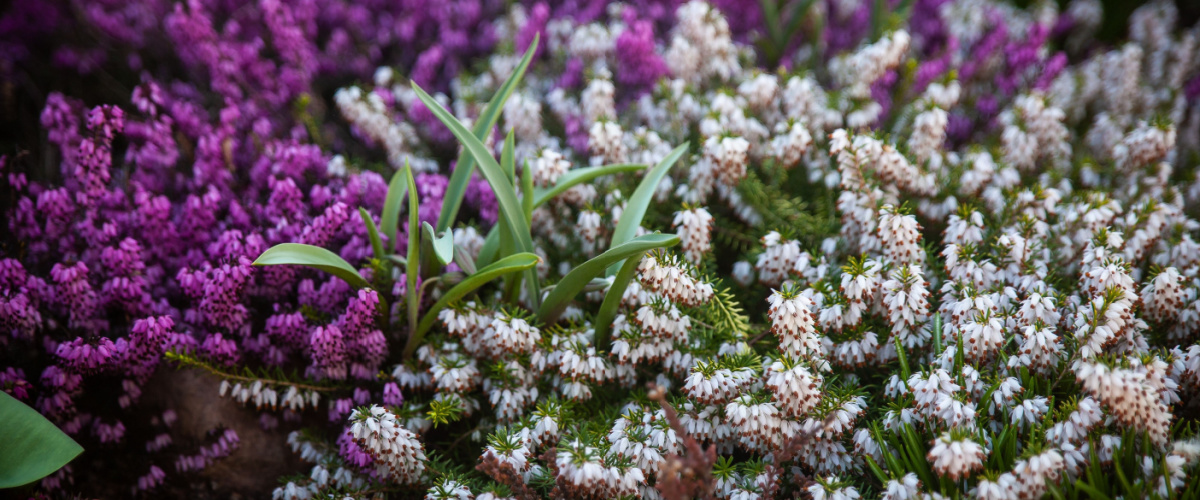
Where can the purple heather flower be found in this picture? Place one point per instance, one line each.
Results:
(638, 65)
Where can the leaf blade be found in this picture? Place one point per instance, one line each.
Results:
(571, 284)
(579, 176)
(390, 221)
(635, 207)
(314, 257)
(372, 233)
(457, 187)
(33, 446)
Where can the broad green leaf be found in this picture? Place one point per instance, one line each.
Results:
(457, 186)
(31, 447)
(398, 260)
(506, 194)
(315, 257)
(612, 301)
(411, 293)
(443, 247)
(510, 264)
(574, 282)
(635, 207)
(579, 176)
(391, 207)
(372, 233)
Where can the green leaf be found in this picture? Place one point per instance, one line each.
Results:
(1091, 491)
(491, 245)
(510, 207)
(541, 196)
(903, 358)
(574, 281)
(33, 447)
(315, 257)
(411, 293)
(372, 233)
(464, 260)
(527, 192)
(635, 207)
(510, 264)
(883, 478)
(443, 247)
(580, 176)
(391, 207)
(612, 301)
(457, 187)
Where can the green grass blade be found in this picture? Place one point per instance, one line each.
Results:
(636, 207)
(579, 176)
(33, 447)
(574, 282)
(372, 234)
(457, 187)
(391, 207)
(510, 264)
(612, 301)
(315, 257)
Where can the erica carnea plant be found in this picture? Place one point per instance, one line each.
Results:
(829, 250)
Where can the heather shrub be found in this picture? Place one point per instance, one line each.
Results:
(653, 249)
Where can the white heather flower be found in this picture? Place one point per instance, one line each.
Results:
(396, 451)
(673, 280)
(1078, 424)
(901, 237)
(1034, 473)
(956, 458)
(830, 488)
(694, 227)
(454, 373)
(743, 273)
(1129, 397)
(905, 488)
(1147, 144)
(448, 489)
(597, 101)
(548, 167)
(858, 71)
(759, 91)
(777, 259)
(907, 301)
(666, 322)
(607, 141)
(796, 389)
(513, 334)
(1162, 297)
(523, 116)
(792, 320)
(729, 157)
(790, 143)
(588, 228)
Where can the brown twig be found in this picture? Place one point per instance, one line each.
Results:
(504, 473)
(683, 477)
